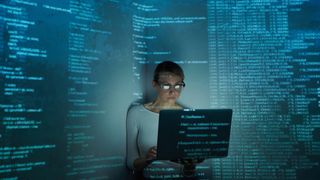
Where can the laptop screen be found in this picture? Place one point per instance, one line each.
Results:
(193, 133)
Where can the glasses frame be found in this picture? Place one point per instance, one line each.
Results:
(167, 86)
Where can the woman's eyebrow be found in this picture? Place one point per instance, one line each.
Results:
(179, 82)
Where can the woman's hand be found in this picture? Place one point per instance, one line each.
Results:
(188, 161)
(140, 163)
(189, 166)
(152, 154)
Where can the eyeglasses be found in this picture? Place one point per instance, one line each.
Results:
(166, 86)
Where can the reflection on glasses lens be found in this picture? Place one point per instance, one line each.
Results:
(178, 86)
(166, 87)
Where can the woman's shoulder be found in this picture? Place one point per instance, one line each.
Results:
(134, 112)
(141, 110)
(135, 107)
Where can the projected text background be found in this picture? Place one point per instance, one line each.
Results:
(69, 70)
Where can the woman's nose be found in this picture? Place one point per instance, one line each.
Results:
(172, 91)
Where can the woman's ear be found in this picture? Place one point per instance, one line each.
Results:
(154, 83)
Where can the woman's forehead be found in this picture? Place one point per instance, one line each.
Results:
(167, 76)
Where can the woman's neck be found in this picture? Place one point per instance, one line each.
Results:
(163, 105)
(157, 105)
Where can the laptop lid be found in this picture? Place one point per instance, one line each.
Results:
(193, 133)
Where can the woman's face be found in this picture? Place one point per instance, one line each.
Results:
(165, 94)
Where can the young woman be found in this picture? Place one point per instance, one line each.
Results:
(142, 120)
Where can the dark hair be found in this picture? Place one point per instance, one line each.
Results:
(168, 66)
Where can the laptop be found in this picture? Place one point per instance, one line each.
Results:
(193, 133)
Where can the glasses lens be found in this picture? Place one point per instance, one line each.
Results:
(178, 86)
(165, 86)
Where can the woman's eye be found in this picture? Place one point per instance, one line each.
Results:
(166, 87)
(177, 86)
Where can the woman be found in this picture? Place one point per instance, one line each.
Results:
(142, 120)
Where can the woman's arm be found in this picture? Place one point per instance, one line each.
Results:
(132, 133)
(134, 160)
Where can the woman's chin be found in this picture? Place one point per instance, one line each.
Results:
(172, 99)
